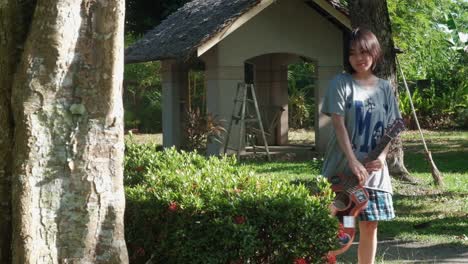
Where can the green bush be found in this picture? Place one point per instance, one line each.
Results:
(185, 208)
(435, 109)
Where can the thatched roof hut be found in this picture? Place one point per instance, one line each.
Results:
(225, 36)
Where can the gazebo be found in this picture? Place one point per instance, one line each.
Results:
(236, 38)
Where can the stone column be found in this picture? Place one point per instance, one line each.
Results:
(174, 93)
(323, 125)
(279, 95)
(263, 89)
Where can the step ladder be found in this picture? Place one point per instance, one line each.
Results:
(242, 115)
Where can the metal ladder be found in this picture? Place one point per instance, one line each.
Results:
(243, 91)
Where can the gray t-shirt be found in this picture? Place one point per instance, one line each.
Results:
(367, 112)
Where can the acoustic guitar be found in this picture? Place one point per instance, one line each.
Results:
(351, 197)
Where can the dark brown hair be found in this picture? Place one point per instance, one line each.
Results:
(365, 40)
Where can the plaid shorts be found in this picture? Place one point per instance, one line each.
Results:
(379, 207)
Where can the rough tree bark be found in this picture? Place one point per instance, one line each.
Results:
(65, 120)
(373, 15)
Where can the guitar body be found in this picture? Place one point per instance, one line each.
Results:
(351, 198)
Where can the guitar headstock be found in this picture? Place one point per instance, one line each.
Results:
(395, 128)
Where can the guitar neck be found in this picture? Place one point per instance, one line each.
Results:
(375, 153)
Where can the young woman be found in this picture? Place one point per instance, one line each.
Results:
(361, 106)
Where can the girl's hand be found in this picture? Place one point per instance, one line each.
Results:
(358, 170)
(374, 165)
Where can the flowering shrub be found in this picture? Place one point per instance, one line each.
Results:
(185, 208)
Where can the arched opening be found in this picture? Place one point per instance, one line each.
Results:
(284, 85)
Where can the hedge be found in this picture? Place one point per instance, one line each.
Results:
(185, 208)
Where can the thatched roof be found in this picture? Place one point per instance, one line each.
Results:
(180, 34)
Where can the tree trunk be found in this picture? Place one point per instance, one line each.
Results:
(373, 15)
(12, 35)
(67, 128)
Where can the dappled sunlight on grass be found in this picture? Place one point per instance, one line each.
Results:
(411, 135)
(301, 136)
(426, 213)
(449, 151)
(146, 138)
(296, 136)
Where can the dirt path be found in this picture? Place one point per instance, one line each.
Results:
(395, 251)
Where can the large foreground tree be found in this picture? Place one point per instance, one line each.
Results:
(61, 132)
(373, 14)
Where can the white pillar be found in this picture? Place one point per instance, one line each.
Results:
(174, 88)
(322, 122)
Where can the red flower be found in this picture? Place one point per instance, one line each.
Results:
(173, 206)
(300, 261)
(239, 219)
(331, 259)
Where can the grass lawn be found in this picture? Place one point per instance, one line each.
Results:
(425, 213)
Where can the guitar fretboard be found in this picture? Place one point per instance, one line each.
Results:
(375, 153)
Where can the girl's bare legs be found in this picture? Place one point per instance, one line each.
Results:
(367, 242)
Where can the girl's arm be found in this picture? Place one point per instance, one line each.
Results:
(343, 140)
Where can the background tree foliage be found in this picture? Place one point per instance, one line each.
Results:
(142, 81)
(301, 85)
(142, 94)
(143, 15)
(420, 28)
(432, 35)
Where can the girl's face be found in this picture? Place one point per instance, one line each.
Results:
(360, 60)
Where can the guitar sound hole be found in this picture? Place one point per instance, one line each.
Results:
(341, 201)
(344, 239)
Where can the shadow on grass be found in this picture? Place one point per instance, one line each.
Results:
(432, 214)
(454, 162)
(425, 224)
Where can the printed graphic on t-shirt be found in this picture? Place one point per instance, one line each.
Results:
(364, 111)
